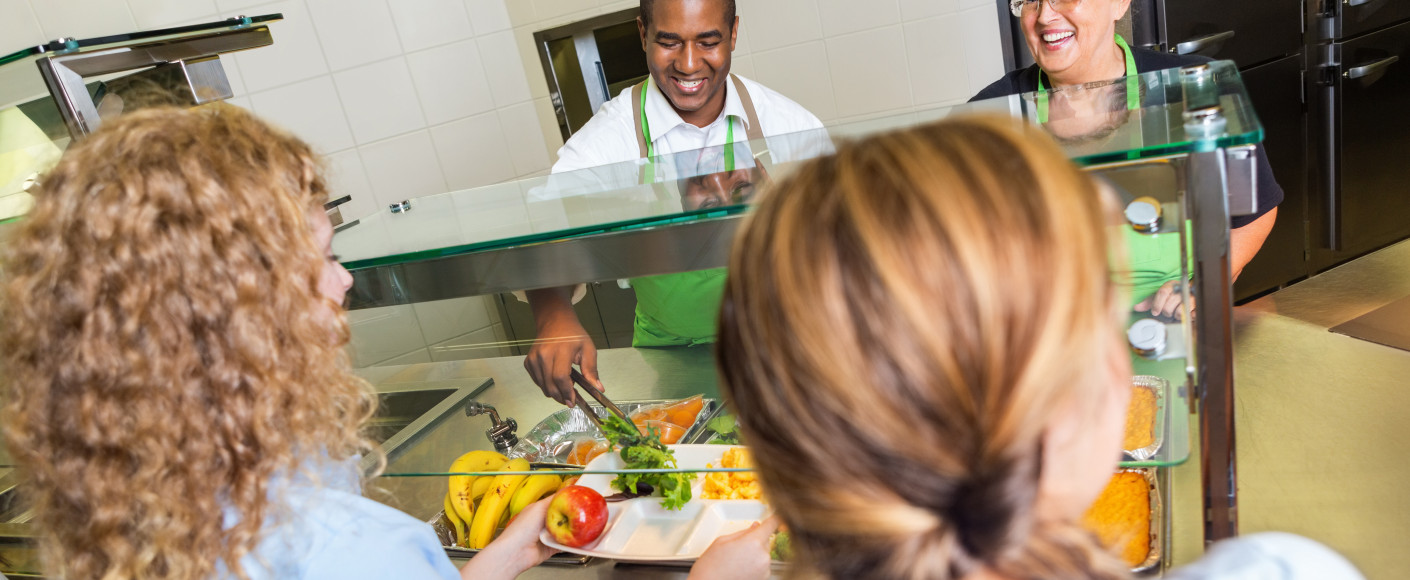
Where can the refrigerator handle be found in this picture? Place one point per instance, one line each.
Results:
(1210, 42)
(1329, 127)
(1369, 69)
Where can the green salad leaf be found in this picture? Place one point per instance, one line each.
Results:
(725, 430)
(640, 451)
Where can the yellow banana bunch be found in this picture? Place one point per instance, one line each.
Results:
(535, 488)
(456, 524)
(461, 486)
(496, 501)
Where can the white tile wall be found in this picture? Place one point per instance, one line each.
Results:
(160, 13)
(19, 26)
(472, 152)
(450, 81)
(935, 48)
(872, 71)
(780, 23)
(309, 109)
(295, 55)
(986, 64)
(483, 343)
(524, 138)
(354, 32)
(487, 16)
(917, 9)
(508, 83)
(417, 356)
(226, 5)
(426, 23)
(59, 18)
(846, 16)
(443, 320)
(798, 73)
(379, 334)
(380, 100)
(402, 168)
(347, 177)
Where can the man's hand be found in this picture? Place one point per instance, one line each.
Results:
(742, 555)
(562, 342)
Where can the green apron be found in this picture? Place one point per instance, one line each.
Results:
(680, 309)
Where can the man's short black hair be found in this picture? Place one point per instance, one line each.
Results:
(646, 6)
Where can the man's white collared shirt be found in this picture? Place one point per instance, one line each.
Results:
(610, 136)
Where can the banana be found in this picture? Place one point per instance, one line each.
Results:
(481, 485)
(456, 524)
(534, 489)
(461, 499)
(496, 501)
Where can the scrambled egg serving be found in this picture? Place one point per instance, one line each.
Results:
(736, 485)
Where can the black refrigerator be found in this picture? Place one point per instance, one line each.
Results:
(1359, 79)
(1275, 52)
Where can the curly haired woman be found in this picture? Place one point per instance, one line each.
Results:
(921, 334)
(177, 390)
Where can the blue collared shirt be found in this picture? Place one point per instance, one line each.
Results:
(326, 529)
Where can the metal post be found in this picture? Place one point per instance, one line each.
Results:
(1206, 194)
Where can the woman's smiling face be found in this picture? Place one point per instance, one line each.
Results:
(1073, 44)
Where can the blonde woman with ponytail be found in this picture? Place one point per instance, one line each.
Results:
(922, 339)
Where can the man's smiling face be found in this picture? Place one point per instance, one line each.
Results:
(688, 45)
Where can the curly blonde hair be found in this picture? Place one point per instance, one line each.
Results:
(166, 351)
(901, 323)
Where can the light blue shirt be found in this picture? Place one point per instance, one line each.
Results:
(1268, 556)
(328, 530)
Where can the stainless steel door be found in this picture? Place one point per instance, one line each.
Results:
(1362, 195)
(1353, 17)
(1246, 32)
(1276, 91)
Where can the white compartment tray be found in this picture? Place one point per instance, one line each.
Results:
(640, 530)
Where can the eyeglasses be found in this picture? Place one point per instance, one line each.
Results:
(1018, 7)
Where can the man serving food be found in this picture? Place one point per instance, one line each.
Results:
(690, 102)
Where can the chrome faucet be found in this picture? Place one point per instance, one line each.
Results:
(501, 434)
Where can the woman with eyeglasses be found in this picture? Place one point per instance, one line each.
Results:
(1074, 43)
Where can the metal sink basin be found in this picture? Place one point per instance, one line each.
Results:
(398, 410)
(407, 415)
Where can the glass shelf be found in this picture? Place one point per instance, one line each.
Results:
(612, 198)
(33, 133)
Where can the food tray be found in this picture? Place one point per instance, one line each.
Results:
(552, 438)
(640, 530)
(1157, 522)
(1160, 386)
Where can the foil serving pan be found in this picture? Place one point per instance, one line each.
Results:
(552, 439)
(1160, 387)
(1153, 558)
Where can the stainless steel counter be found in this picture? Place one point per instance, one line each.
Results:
(1323, 420)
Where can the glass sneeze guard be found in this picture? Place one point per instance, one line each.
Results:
(609, 199)
(613, 197)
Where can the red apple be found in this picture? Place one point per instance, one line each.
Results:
(576, 516)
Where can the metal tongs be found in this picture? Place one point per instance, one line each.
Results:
(582, 383)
